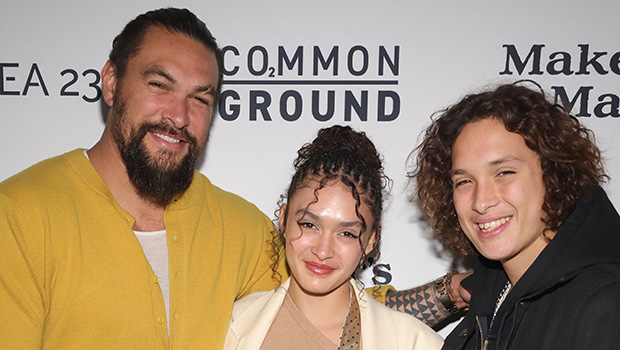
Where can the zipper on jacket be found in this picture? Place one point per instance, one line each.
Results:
(483, 342)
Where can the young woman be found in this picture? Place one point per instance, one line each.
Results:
(329, 225)
(513, 177)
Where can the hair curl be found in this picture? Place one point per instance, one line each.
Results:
(339, 153)
(177, 21)
(570, 160)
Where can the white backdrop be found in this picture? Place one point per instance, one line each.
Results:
(51, 51)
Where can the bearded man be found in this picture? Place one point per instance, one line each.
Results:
(126, 245)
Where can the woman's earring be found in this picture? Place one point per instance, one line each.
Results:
(366, 261)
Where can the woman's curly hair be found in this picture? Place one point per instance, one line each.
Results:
(570, 160)
(342, 154)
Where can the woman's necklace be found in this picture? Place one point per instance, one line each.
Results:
(500, 300)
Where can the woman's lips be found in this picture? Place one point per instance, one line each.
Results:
(318, 268)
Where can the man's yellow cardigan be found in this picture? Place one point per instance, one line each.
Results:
(73, 274)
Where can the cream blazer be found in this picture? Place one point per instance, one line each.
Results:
(382, 328)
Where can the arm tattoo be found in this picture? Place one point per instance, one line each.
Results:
(421, 302)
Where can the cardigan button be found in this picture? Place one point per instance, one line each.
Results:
(175, 238)
(160, 320)
(155, 279)
(463, 333)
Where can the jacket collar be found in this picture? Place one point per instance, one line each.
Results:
(254, 314)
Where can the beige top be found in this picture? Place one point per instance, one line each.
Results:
(381, 328)
(292, 330)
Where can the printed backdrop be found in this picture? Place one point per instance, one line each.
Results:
(295, 67)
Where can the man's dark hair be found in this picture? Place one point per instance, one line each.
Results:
(571, 162)
(177, 21)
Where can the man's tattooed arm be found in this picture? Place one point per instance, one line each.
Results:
(430, 302)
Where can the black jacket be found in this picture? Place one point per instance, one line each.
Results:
(568, 299)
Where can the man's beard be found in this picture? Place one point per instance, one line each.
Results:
(157, 178)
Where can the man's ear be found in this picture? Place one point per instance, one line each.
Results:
(375, 236)
(282, 219)
(108, 83)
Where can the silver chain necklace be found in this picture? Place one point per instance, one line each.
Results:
(500, 300)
